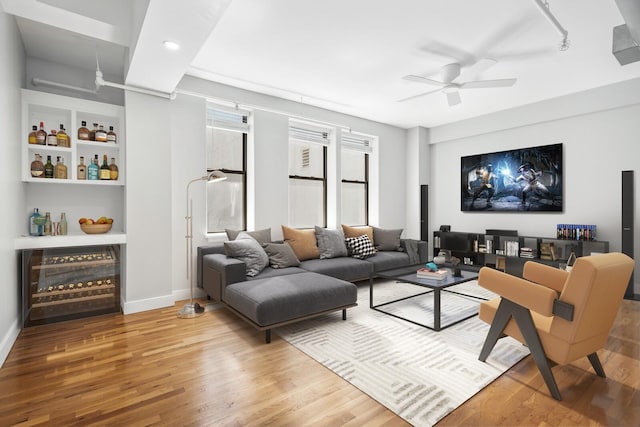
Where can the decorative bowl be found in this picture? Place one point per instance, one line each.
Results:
(95, 228)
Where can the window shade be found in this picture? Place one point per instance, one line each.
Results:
(317, 136)
(221, 119)
(356, 142)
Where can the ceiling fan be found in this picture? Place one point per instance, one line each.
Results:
(449, 73)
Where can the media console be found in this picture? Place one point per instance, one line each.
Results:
(507, 251)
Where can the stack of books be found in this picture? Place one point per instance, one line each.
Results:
(527, 253)
(425, 273)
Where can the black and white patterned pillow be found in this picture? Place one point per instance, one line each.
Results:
(360, 247)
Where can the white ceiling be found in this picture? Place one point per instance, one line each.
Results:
(344, 55)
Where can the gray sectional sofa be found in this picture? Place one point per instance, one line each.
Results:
(276, 296)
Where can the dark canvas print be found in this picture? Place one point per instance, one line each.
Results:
(527, 179)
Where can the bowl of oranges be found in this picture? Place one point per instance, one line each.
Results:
(98, 226)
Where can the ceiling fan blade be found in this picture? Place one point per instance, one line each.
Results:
(419, 95)
(421, 79)
(453, 98)
(482, 84)
(476, 70)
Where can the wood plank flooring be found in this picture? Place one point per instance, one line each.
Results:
(152, 368)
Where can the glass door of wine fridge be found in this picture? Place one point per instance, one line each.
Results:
(68, 283)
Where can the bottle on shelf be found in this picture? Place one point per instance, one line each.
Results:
(93, 170)
(63, 224)
(41, 135)
(114, 169)
(92, 132)
(33, 139)
(82, 169)
(60, 170)
(83, 132)
(101, 134)
(52, 138)
(48, 168)
(47, 224)
(62, 137)
(111, 135)
(105, 170)
(37, 167)
(35, 229)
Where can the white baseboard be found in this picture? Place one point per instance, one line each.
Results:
(160, 302)
(8, 340)
(129, 307)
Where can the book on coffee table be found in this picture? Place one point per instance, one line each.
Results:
(425, 273)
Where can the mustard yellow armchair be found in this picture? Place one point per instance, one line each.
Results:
(560, 316)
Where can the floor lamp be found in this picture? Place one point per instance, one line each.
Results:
(193, 309)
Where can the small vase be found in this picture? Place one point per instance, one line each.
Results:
(457, 272)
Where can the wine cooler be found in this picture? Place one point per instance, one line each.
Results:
(68, 283)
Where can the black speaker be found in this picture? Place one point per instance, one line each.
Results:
(424, 213)
(627, 222)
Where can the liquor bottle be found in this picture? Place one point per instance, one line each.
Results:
(60, 170)
(111, 135)
(47, 224)
(101, 134)
(105, 171)
(37, 168)
(114, 169)
(82, 169)
(92, 170)
(63, 138)
(41, 135)
(63, 224)
(92, 132)
(33, 139)
(48, 168)
(52, 138)
(34, 228)
(83, 132)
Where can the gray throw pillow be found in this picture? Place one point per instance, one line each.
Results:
(281, 255)
(262, 236)
(330, 243)
(248, 250)
(387, 240)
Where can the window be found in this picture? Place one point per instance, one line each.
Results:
(307, 175)
(355, 178)
(227, 151)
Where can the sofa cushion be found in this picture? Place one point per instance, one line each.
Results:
(386, 260)
(386, 240)
(303, 242)
(360, 247)
(248, 250)
(262, 236)
(357, 231)
(330, 243)
(281, 255)
(278, 299)
(344, 268)
(272, 272)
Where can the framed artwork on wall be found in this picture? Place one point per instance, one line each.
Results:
(525, 179)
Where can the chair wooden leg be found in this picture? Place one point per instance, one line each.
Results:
(523, 319)
(495, 332)
(597, 366)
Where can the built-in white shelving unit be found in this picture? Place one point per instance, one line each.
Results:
(77, 198)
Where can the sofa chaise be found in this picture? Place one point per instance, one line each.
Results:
(310, 273)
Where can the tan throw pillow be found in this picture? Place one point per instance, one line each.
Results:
(303, 242)
(357, 231)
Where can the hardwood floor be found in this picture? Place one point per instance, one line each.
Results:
(152, 368)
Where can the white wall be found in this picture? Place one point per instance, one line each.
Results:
(12, 71)
(149, 204)
(598, 145)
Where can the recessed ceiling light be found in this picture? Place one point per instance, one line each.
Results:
(171, 45)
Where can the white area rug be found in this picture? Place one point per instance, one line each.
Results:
(419, 374)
